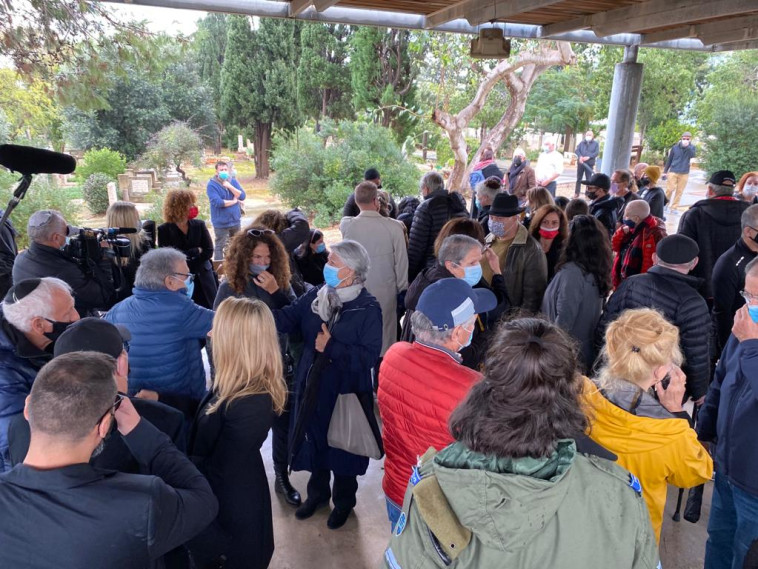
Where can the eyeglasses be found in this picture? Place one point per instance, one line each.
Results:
(186, 276)
(259, 232)
(112, 409)
(748, 297)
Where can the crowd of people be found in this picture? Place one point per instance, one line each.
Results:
(543, 369)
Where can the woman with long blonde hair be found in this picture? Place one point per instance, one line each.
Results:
(231, 426)
(635, 408)
(125, 214)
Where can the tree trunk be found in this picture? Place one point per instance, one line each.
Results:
(218, 143)
(531, 64)
(262, 145)
(567, 140)
(424, 142)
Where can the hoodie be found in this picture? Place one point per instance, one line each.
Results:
(525, 512)
(715, 224)
(657, 447)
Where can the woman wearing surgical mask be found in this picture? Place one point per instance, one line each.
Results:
(183, 231)
(256, 265)
(550, 228)
(341, 327)
(635, 408)
(311, 258)
(747, 187)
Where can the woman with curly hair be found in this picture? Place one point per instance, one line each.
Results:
(574, 298)
(189, 235)
(550, 228)
(256, 265)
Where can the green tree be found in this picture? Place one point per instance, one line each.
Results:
(661, 137)
(323, 77)
(95, 191)
(32, 114)
(258, 88)
(174, 146)
(383, 70)
(209, 45)
(103, 161)
(731, 131)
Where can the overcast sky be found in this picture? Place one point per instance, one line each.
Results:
(168, 20)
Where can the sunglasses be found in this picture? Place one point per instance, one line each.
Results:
(113, 408)
(259, 232)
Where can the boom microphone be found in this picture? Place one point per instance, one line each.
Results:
(28, 160)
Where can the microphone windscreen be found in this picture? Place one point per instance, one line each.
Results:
(30, 160)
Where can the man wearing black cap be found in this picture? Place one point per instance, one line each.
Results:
(34, 314)
(603, 206)
(715, 223)
(97, 335)
(669, 288)
(522, 260)
(351, 209)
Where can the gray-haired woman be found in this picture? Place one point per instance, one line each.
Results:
(341, 327)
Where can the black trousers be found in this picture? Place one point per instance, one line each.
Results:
(582, 173)
(342, 492)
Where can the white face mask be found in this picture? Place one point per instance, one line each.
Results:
(545, 148)
(685, 142)
(750, 189)
(588, 138)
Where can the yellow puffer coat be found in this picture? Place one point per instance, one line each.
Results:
(657, 451)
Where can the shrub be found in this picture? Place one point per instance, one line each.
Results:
(41, 195)
(155, 211)
(731, 134)
(317, 172)
(102, 161)
(174, 146)
(96, 192)
(661, 137)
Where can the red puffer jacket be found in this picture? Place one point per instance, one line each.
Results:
(634, 250)
(419, 386)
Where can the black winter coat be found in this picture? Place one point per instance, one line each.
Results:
(81, 516)
(656, 199)
(437, 209)
(311, 266)
(728, 281)
(92, 288)
(715, 224)
(198, 247)
(226, 447)
(676, 296)
(351, 208)
(8, 252)
(605, 210)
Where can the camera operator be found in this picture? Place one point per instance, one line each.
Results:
(48, 256)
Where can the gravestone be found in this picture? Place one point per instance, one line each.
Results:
(139, 187)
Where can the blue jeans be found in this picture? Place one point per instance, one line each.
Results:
(393, 512)
(732, 526)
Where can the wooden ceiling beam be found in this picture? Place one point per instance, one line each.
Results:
(481, 12)
(448, 14)
(712, 30)
(297, 7)
(753, 44)
(567, 26)
(322, 5)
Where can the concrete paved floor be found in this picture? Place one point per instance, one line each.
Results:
(360, 543)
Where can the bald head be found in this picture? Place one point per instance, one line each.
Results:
(639, 169)
(637, 208)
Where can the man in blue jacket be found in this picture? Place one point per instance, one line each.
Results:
(676, 171)
(729, 418)
(226, 197)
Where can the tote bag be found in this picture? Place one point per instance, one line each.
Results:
(350, 430)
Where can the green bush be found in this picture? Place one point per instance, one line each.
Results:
(41, 195)
(155, 211)
(661, 137)
(731, 134)
(102, 161)
(317, 172)
(96, 192)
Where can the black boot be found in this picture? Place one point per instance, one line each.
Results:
(309, 508)
(282, 486)
(337, 518)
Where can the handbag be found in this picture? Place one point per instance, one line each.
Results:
(350, 430)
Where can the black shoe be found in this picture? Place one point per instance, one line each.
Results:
(309, 508)
(338, 518)
(282, 486)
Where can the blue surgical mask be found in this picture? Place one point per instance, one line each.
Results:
(257, 269)
(478, 203)
(472, 275)
(330, 276)
(321, 247)
(468, 342)
(753, 310)
(190, 284)
(497, 228)
(223, 175)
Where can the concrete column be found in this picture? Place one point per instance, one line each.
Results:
(622, 114)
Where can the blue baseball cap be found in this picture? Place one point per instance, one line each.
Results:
(451, 302)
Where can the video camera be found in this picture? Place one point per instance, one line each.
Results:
(86, 245)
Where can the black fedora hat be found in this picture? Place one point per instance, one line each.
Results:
(505, 205)
(598, 180)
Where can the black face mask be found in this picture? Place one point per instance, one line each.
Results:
(644, 181)
(591, 195)
(517, 160)
(58, 329)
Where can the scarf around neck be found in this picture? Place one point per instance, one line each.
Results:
(514, 171)
(329, 300)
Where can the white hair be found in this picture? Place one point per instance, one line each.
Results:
(36, 304)
(519, 152)
(423, 329)
(155, 266)
(455, 248)
(432, 181)
(44, 223)
(355, 257)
